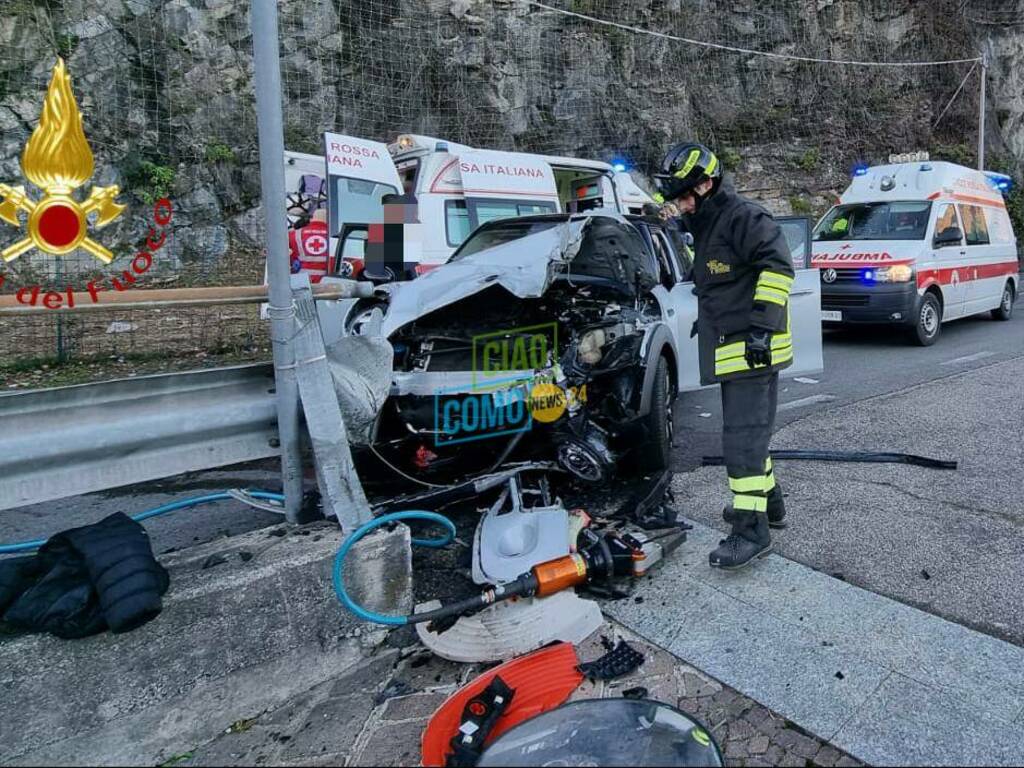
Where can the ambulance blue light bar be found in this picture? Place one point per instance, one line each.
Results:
(860, 169)
(619, 165)
(1000, 181)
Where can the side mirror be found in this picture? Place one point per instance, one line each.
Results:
(949, 236)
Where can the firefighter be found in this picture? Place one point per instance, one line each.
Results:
(743, 275)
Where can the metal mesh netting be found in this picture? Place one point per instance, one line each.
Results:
(165, 89)
(519, 75)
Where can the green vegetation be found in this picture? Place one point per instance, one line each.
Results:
(961, 154)
(149, 180)
(801, 206)
(176, 759)
(66, 45)
(220, 153)
(809, 160)
(730, 158)
(297, 138)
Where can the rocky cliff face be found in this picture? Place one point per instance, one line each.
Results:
(166, 89)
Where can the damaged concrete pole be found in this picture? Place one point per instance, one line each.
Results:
(267, 78)
(340, 489)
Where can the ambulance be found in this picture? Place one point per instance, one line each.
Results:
(457, 188)
(916, 243)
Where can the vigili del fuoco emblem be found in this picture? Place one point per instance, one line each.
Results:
(57, 159)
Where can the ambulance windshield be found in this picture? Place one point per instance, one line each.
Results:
(875, 221)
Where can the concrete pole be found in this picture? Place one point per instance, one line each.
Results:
(267, 78)
(981, 113)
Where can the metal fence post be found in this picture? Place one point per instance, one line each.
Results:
(267, 76)
(981, 112)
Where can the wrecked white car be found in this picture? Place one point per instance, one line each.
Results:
(561, 337)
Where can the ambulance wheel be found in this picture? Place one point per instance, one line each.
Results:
(929, 321)
(656, 453)
(1005, 309)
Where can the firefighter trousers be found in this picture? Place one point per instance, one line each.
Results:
(748, 419)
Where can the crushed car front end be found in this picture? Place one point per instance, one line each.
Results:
(529, 345)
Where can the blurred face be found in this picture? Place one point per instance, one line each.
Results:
(687, 203)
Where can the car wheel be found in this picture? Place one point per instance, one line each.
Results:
(928, 325)
(1005, 309)
(656, 453)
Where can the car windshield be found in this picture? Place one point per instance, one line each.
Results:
(875, 221)
(498, 234)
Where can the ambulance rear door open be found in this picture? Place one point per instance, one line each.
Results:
(501, 185)
(359, 174)
(585, 190)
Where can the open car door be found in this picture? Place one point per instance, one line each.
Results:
(359, 173)
(804, 310)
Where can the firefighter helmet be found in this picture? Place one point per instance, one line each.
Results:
(684, 167)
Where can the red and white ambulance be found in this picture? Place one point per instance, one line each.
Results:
(457, 188)
(916, 243)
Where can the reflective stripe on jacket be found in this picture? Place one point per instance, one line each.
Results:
(743, 275)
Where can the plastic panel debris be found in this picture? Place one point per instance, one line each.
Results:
(511, 629)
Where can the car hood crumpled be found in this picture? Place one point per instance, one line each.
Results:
(524, 267)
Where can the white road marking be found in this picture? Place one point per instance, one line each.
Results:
(805, 380)
(969, 358)
(811, 400)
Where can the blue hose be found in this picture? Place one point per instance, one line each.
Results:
(29, 546)
(339, 559)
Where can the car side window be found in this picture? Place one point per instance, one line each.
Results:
(946, 219)
(975, 226)
(665, 272)
(683, 254)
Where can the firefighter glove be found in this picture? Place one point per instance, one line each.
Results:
(759, 347)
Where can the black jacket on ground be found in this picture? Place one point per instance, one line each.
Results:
(85, 580)
(742, 272)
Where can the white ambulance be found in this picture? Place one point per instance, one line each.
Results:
(916, 243)
(457, 188)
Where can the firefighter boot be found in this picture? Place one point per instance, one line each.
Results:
(776, 508)
(748, 540)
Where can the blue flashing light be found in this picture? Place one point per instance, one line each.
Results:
(1000, 181)
(868, 276)
(619, 166)
(860, 169)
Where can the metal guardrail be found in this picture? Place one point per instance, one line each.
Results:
(70, 440)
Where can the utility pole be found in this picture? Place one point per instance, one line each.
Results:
(269, 121)
(981, 112)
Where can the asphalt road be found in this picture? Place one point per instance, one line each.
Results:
(950, 543)
(859, 364)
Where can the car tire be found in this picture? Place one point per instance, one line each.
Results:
(1005, 309)
(928, 323)
(656, 453)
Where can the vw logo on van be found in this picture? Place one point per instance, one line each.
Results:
(828, 275)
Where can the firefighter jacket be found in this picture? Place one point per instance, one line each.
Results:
(743, 274)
